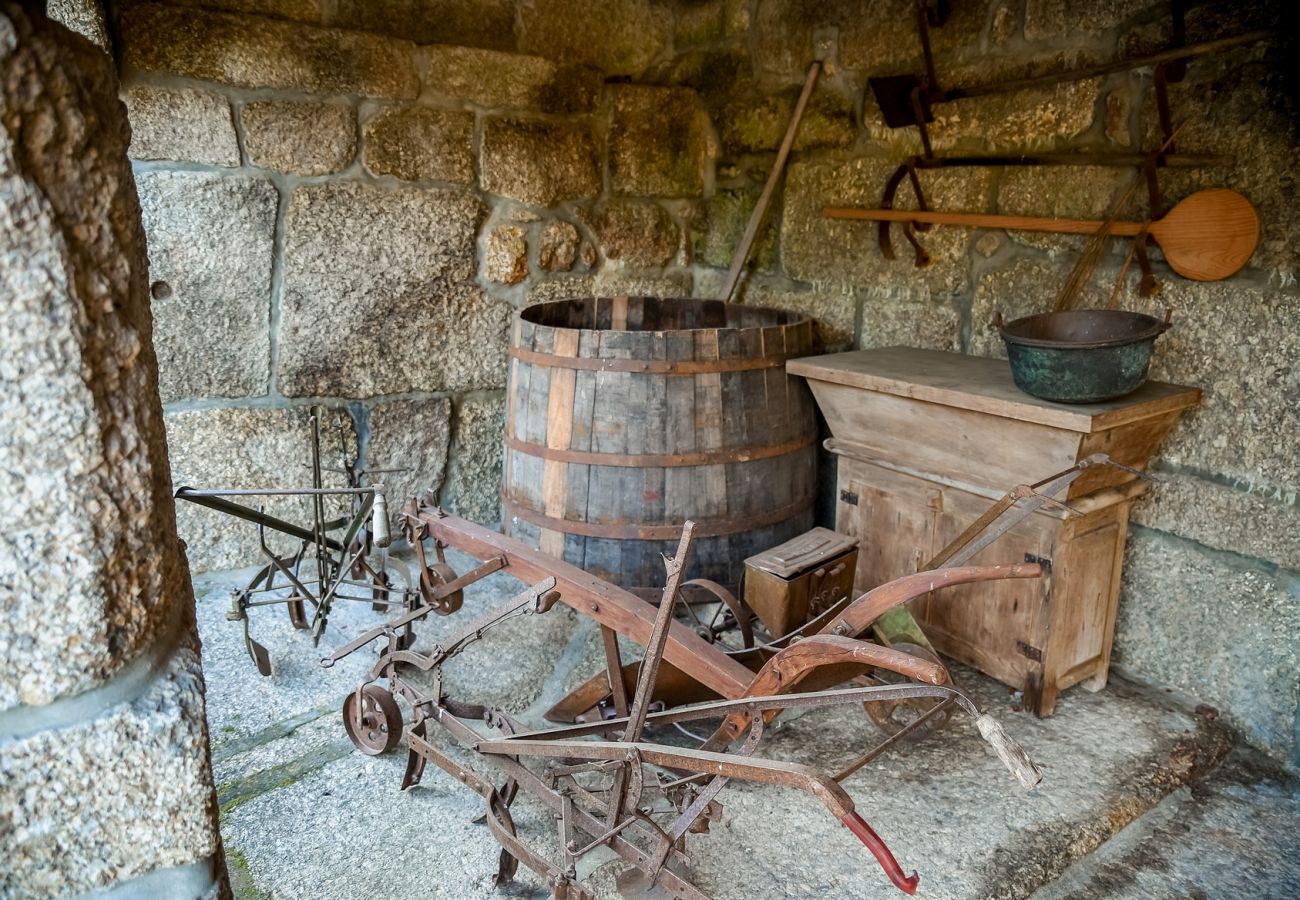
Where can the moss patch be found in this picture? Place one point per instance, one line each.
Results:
(234, 794)
(716, 234)
(756, 127)
(242, 884)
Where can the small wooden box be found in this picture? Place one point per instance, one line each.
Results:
(792, 582)
(927, 440)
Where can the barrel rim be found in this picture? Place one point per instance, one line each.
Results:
(797, 318)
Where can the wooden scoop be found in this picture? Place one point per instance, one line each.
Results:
(1207, 236)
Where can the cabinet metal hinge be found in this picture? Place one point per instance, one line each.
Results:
(1043, 561)
(849, 497)
(1031, 652)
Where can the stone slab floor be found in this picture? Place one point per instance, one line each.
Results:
(1142, 797)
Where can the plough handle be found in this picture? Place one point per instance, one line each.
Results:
(239, 511)
(865, 833)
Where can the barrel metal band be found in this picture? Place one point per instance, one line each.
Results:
(650, 366)
(659, 460)
(718, 526)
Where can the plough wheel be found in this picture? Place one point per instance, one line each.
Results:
(373, 721)
(440, 573)
(893, 717)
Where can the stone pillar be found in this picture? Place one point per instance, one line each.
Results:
(105, 777)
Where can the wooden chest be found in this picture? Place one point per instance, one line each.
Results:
(926, 440)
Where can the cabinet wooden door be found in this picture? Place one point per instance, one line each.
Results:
(902, 522)
(894, 523)
(1089, 561)
(1000, 627)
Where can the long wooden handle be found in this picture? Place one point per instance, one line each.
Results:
(760, 208)
(981, 220)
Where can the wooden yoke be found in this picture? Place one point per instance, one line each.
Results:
(611, 606)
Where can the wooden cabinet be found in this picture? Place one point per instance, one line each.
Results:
(927, 440)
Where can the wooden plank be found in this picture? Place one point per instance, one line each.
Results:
(1133, 444)
(635, 397)
(951, 442)
(658, 415)
(584, 411)
(753, 426)
(681, 430)
(654, 493)
(983, 385)
(513, 377)
(516, 391)
(680, 481)
(525, 486)
(532, 423)
(516, 466)
(1096, 678)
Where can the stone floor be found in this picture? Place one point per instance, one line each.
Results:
(1141, 798)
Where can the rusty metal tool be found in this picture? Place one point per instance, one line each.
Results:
(1025, 499)
(344, 558)
(908, 99)
(637, 796)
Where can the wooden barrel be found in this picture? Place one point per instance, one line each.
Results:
(629, 415)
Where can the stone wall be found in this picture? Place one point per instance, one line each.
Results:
(105, 781)
(346, 201)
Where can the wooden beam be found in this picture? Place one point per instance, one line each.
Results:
(609, 605)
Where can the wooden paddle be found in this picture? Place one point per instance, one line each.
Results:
(1207, 236)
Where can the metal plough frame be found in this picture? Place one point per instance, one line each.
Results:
(635, 796)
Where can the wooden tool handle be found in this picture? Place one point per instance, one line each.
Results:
(760, 208)
(981, 220)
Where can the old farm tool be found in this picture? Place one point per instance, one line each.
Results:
(341, 558)
(769, 187)
(608, 783)
(908, 99)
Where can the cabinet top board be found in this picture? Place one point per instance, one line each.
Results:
(983, 385)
